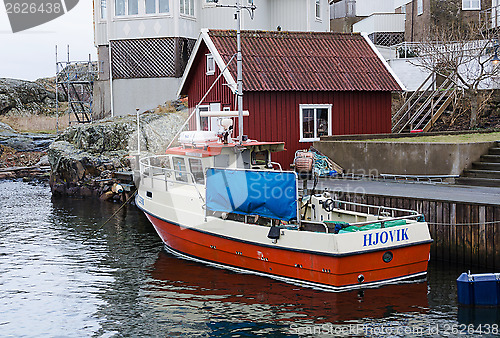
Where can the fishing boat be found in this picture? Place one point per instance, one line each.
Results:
(224, 202)
(230, 206)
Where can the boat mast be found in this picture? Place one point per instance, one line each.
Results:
(239, 60)
(239, 68)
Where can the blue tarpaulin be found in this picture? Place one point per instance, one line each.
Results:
(270, 194)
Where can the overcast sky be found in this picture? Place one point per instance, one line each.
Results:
(30, 54)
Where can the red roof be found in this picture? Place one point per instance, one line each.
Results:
(305, 61)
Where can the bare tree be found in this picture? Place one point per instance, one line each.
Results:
(463, 52)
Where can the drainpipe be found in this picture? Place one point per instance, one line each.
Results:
(111, 81)
(412, 16)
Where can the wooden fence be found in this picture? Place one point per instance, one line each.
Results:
(464, 233)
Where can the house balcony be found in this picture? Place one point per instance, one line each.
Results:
(384, 29)
(490, 18)
(342, 9)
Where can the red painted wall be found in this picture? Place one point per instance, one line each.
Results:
(274, 116)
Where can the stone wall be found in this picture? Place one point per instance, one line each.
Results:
(403, 158)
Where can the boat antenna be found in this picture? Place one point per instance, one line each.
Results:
(239, 59)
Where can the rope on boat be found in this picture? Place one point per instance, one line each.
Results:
(109, 219)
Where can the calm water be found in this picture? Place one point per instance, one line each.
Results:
(122, 283)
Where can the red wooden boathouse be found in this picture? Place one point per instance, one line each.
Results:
(297, 86)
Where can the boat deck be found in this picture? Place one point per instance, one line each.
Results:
(436, 192)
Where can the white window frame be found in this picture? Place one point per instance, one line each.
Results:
(141, 9)
(103, 7)
(125, 8)
(188, 11)
(468, 5)
(420, 7)
(301, 124)
(198, 117)
(210, 64)
(157, 8)
(317, 9)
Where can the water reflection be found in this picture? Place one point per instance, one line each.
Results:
(212, 295)
(120, 282)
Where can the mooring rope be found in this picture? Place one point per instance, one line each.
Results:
(109, 219)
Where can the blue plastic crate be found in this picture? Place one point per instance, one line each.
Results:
(479, 289)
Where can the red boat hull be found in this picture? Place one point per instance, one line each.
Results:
(336, 272)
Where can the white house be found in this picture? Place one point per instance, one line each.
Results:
(144, 45)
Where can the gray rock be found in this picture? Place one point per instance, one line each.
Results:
(19, 97)
(85, 153)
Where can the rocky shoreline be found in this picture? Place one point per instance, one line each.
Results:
(93, 160)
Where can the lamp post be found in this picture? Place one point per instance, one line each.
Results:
(495, 59)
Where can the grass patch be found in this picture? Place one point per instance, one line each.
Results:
(462, 138)
(36, 123)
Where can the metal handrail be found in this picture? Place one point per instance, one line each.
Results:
(382, 221)
(144, 166)
(444, 87)
(415, 93)
(375, 206)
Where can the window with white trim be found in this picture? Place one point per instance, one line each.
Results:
(471, 5)
(420, 7)
(196, 168)
(132, 7)
(317, 9)
(103, 9)
(157, 6)
(210, 64)
(187, 7)
(120, 7)
(204, 123)
(315, 121)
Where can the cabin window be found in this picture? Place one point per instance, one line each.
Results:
(315, 121)
(471, 5)
(180, 169)
(210, 65)
(196, 168)
(260, 157)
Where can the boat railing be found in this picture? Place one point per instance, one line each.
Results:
(383, 213)
(153, 172)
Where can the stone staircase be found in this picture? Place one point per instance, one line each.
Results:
(485, 172)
